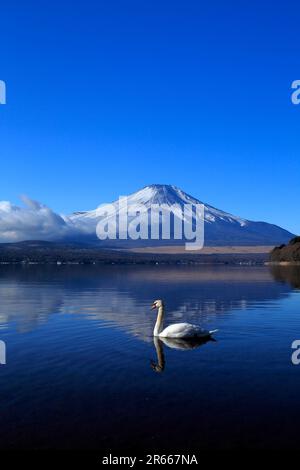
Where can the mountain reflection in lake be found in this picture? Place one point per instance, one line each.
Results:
(121, 296)
(80, 346)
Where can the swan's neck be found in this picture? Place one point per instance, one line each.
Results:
(159, 321)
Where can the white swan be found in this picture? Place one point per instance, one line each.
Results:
(178, 330)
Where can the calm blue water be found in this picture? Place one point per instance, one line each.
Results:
(83, 371)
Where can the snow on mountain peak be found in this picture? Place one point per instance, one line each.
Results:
(220, 227)
(168, 195)
(36, 221)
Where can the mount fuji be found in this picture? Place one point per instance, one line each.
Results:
(220, 228)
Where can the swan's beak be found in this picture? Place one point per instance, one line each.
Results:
(153, 307)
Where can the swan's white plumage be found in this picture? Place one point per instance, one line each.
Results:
(183, 330)
(178, 330)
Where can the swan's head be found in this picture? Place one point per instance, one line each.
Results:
(157, 304)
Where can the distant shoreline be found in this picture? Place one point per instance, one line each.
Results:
(37, 252)
(283, 263)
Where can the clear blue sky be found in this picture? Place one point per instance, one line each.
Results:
(104, 97)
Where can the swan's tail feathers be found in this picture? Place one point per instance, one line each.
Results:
(213, 331)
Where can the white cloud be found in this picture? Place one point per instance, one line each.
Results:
(35, 221)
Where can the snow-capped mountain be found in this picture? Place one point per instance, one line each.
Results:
(220, 228)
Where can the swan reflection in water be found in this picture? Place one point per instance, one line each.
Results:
(174, 343)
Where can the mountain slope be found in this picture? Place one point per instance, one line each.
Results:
(221, 228)
(289, 253)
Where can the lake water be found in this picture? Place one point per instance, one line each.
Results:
(83, 371)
